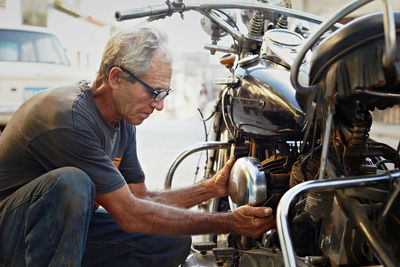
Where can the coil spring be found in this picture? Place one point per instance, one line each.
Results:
(282, 22)
(361, 126)
(256, 26)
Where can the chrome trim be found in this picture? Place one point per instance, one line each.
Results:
(325, 144)
(247, 183)
(190, 150)
(219, 48)
(325, 185)
(389, 27)
(379, 94)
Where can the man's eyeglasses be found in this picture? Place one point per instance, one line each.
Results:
(159, 94)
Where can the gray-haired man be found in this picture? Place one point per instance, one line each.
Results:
(68, 149)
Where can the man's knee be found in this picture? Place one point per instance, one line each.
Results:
(75, 184)
(75, 179)
(70, 184)
(67, 181)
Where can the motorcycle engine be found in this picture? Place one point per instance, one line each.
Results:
(259, 183)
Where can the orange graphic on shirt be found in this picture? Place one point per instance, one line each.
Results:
(117, 161)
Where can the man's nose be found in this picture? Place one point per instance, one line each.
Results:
(158, 105)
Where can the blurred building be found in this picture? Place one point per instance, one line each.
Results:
(193, 73)
(82, 36)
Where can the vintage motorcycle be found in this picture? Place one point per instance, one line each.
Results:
(296, 112)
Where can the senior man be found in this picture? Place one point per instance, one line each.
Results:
(67, 150)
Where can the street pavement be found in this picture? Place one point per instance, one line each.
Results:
(160, 141)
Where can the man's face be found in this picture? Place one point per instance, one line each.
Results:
(134, 102)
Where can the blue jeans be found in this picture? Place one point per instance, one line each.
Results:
(51, 222)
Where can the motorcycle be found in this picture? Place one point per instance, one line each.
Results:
(296, 112)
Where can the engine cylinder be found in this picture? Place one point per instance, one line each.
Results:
(319, 204)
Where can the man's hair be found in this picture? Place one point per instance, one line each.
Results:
(132, 49)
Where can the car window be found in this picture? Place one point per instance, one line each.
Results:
(8, 51)
(27, 52)
(26, 46)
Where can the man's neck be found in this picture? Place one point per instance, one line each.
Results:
(102, 98)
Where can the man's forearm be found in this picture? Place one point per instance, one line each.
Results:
(184, 197)
(155, 218)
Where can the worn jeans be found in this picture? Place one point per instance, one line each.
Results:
(51, 222)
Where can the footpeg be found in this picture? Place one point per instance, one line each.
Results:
(203, 247)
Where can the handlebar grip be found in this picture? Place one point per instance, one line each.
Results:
(143, 12)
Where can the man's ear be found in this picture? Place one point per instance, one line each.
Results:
(114, 77)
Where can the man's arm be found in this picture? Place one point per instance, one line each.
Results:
(183, 197)
(139, 215)
(188, 196)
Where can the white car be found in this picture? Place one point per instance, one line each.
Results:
(31, 60)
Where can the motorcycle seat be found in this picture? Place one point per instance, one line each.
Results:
(350, 59)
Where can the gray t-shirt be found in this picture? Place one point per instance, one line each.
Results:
(63, 127)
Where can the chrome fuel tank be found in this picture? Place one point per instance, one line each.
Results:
(265, 104)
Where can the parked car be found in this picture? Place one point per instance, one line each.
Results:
(31, 60)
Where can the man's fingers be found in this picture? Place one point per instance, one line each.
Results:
(230, 161)
(262, 212)
(252, 221)
(228, 166)
(256, 211)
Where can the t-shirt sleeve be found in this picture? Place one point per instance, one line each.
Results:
(130, 166)
(68, 147)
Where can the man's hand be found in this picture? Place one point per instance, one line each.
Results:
(220, 180)
(251, 221)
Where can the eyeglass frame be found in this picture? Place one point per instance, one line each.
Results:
(159, 94)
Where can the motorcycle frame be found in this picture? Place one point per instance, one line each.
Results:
(282, 213)
(205, 8)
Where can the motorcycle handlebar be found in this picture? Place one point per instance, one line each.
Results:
(154, 10)
(204, 7)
